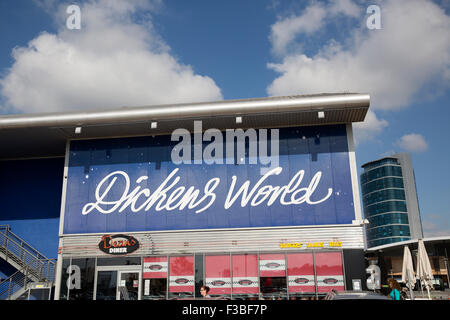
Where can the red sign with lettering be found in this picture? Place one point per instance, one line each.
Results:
(118, 244)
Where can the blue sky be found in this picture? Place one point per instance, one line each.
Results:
(198, 50)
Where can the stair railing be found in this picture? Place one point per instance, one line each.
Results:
(32, 265)
(18, 281)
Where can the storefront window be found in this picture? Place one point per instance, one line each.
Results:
(329, 271)
(106, 285)
(155, 289)
(273, 288)
(81, 273)
(291, 275)
(77, 279)
(218, 275)
(155, 278)
(64, 290)
(245, 284)
(120, 261)
(272, 271)
(301, 280)
(181, 277)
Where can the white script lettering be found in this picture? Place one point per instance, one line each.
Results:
(167, 196)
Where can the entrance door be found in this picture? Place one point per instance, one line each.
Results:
(117, 283)
(128, 286)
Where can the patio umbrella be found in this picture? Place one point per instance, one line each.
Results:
(408, 271)
(424, 272)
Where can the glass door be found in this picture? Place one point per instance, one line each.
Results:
(117, 283)
(128, 287)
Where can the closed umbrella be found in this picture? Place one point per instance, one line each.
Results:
(408, 271)
(424, 272)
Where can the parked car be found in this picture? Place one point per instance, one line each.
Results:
(355, 295)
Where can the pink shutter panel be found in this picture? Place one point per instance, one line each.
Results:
(300, 272)
(155, 267)
(329, 271)
(217, 274)
(272, 265)
(181, 277)
(245, 273)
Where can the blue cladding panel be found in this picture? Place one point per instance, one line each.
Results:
(30, 193)
(312, 149)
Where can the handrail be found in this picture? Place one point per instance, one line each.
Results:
(32, 264)
(16, 282)
(9, 232)
(25, 255)
(41, 269)
(38, 255)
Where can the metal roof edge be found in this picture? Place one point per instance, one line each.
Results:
(319, 102)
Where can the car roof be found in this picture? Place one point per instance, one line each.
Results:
(357, 294)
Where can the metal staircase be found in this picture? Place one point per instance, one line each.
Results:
(32, 266)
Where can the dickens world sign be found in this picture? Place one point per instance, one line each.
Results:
(137, 184)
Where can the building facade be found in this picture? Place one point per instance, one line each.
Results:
(152, 207)
(390, 200)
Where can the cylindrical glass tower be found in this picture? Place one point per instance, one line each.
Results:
(385, 201)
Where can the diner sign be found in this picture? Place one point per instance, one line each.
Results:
(118, 244)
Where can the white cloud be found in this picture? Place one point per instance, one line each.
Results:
(371, 127)
(112, 61)
(412, 143)
(284, 31)
(393, 64)
(313, 18)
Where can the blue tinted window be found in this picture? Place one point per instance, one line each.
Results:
(380, 163)
(383, 207)
(386, 194)
(385, 171)
(382, 184)
(389, 218)
(388, 231)
(380, 242)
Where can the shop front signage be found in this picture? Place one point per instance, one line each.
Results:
(308, 245)
(133, 185)
(118, 244)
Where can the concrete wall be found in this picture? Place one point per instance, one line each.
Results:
(412, 203)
